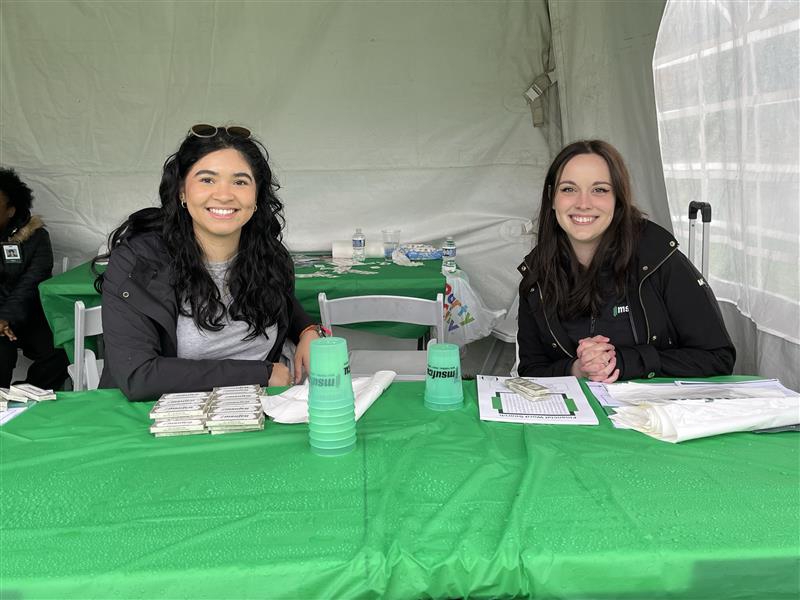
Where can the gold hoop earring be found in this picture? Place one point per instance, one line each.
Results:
(182, 199)
(255, 208)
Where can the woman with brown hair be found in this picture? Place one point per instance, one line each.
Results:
(605, 293)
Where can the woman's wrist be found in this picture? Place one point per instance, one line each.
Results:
(315, 328)
(575, 369)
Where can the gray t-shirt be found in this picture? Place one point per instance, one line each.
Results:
(228, 342)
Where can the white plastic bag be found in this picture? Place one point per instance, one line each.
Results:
(466, 317)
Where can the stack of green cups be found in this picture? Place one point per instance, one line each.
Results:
(443, 389)
(331, 405)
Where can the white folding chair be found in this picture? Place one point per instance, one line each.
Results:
(410, 365)
(85, 371)
(504, 331)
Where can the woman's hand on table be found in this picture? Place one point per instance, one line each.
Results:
(280, 375)
(5, 329)
(303, 353)
(597, 360)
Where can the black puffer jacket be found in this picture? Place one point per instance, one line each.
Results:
(675, 318)
(140, 316)
(19, 281)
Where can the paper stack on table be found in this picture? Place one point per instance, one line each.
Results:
(180, 414)
(292, 405)
(224, 410)
(22, 392)
(234, 409)
(675, 412)
(564, 404)
(6, 396)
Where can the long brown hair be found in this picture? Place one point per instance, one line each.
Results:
(576, 290)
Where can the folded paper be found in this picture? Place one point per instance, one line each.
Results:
(682, 420)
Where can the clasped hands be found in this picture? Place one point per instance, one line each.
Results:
(5, 329)
(597, 360)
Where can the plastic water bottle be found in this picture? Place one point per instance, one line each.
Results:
(449, 255)
(359, 246)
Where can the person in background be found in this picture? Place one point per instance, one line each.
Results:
(199, 293)
(26, 260)
(605, 293)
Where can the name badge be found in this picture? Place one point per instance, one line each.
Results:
(12, 253)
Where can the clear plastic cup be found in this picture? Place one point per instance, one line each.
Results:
(391, 241)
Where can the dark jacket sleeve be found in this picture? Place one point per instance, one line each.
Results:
(698, 345)
(24, 292)
(135, 356)
(299, 319)
(536, 358)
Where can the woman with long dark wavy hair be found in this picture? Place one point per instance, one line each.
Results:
(200, 292)
(605, 293)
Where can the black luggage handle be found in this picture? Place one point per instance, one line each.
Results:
(703, 207)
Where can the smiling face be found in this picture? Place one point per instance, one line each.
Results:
(584, 203)
(220, 195)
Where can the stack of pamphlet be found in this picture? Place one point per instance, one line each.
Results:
(235, 408)
(180, 414)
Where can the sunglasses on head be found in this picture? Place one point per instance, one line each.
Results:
(204, 130)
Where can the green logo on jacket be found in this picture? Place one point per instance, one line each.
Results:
(618, 310)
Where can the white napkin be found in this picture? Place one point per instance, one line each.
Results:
(292, 405)
(399, 258)
(682, 420)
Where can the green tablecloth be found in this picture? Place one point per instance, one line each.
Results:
(59, 294)
(429, 505)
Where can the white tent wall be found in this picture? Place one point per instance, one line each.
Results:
(604, 53)
(727, 78)
(375, 114)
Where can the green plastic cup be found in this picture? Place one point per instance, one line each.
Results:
(330, 413)
(328, 355)
(332, 438)
(324, 425)
(331, 404)
(333, 447)
(334, 451)
(443, 390)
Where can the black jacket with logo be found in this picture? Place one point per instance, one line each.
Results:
(675, 319)
(140, 317)
(19, 281)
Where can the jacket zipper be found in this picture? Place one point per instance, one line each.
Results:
(546, 320)
(644, 311)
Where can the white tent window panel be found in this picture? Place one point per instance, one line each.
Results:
(727, 83)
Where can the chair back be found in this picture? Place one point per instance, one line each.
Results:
(394, 309)
(506, 328)
(409, 365)
(505, 331)
(85, 371)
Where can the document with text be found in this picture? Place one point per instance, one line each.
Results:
(566, 404)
